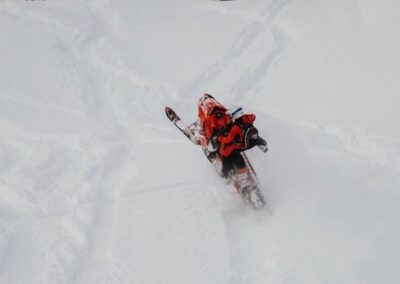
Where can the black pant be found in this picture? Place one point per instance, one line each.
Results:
(232, 162)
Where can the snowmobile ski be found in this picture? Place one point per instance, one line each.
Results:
(186, 130)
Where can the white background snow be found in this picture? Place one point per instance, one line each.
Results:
(97, 186)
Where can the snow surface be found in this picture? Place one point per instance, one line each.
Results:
(96, 185)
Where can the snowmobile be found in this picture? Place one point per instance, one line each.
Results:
(244, 179)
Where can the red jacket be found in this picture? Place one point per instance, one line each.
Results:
(234, 140)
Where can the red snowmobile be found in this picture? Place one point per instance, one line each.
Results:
(212, 129)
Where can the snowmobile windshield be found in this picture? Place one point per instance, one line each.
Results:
(235, 112)
(218, 112)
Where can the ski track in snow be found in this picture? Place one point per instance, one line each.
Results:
(241, 64)
(115, 170)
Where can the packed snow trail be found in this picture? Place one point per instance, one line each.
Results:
(98, 187)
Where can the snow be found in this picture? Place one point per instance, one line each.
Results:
(97, 186)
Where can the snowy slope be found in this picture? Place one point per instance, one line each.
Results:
(96, 186)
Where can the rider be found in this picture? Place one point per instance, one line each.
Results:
(239, 135)
(227, 133)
